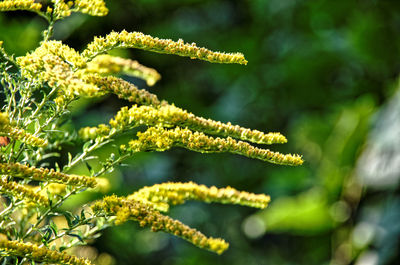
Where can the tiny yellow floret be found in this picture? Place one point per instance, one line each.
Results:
(91, 7)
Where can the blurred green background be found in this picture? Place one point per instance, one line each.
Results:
(323, 73)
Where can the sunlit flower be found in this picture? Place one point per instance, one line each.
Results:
(8, 129)
(11, 5)
(107, 64)
(146, 215)
(45, 174)
(171, 193)
(39, 253)
(139, 40)
(13, 189)
(161, 139)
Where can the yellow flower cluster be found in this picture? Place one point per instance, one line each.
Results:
(60, 9)
(76, 75)
(146, 215)
(21, 192)
(11, 5)
(54, 189)
(39, 253)
(91, 7)
(57, 9)
(63, 67)
(170, 193)
(123, 89)
(45, 174)
(56, 64)
(7, 129)
(169, 116)
(161, 139)
(107, 64)
(48, 55)
(66, 53)
(139, 40)
(88, 133)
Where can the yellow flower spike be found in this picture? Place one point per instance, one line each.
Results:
(107, 64)
(160, 139)
(177, 193)
(139, 40)
(11, 5)
(146, 215)
(45, 174)
(39, 253)
(21, 192)
(169, 116)
(7, 129)
(123, 89)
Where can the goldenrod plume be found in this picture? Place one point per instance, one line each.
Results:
(21, 192)
(39, 253)
(171, 193)
(8, 129)
(123, 89)
(11, 5)
(139, 40)
(169, 116)
(126, 210)
(161, 139)
(45, 174)
(107, 64)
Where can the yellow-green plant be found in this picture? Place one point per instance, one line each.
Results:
(38, 91)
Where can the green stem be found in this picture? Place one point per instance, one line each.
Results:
(45, 214)
(106, 167)
(49, 32)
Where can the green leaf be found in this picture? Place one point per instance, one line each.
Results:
(83, 217)
(77, 236)
(53, 227)
(68, 216)
(89, 167)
